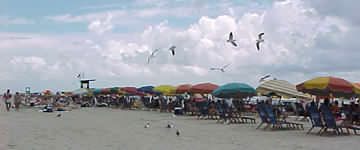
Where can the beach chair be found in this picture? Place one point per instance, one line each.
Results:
(272, 118)
(315, 119)
(260, 110)
(220, 112)
(330, 123)
(238, 114)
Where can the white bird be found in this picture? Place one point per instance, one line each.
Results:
(260, 40)
(222, 69)
(172, 49)
(231, 39)
(152, 55)
(263, 78)
(178, 132)
(147, 125)
(170, 126)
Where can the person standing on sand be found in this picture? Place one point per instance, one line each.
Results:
(7, 97)
(17, 101)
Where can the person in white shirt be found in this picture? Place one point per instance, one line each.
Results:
(7, 99)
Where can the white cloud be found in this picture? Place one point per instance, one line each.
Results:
(300, 43)
(101, 26)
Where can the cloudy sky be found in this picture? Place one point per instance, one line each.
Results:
(45, 44)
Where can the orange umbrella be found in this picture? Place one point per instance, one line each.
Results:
(183, 88)
(203, 88)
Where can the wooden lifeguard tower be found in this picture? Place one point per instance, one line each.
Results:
(86, 82)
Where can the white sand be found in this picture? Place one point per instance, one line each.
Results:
(114, 129)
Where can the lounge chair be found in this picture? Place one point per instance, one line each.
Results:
(273, 119)
(260, 109)
(330, 122)
(315, 118)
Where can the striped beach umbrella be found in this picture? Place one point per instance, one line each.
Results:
(327, 86)
(282, 88)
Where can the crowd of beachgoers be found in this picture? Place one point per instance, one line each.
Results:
(323, 113)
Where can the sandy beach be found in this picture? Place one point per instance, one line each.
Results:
(115, 129)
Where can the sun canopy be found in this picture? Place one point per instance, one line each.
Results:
(234, 90)
(326, 86)
(282, 88)
(203, 88)
(165, 89)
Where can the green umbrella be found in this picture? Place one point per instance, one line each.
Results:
(96, 91)
(234, 90)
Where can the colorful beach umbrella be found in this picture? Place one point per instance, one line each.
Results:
(326, 86)
(181, 89)
(281, 88)
(106, 91)
(132, 91)
(234, 90)
(81, 91)
(203, 88)
(165, 89)
(357, 88)
(148, 90)
(96, 91)
(117, 90)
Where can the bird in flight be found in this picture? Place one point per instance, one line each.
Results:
(260, 40)
(172, 49)
(222, 69)
(265, 77)
(152, 55)
(231, 39)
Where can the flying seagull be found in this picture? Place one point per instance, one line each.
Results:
(260, 40)
(222, 69)
(231, 39)
(152, 55)
(172, 49)
(263, 78)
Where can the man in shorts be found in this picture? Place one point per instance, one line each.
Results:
(7, 97)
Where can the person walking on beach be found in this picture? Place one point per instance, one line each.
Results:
(17, 101)
(7, 97)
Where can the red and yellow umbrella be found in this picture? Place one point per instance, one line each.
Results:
(181, 89)
(203, 88)
(326, 86)
(357, 88)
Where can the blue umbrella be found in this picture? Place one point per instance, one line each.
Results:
(234, 90)
(148, 89)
